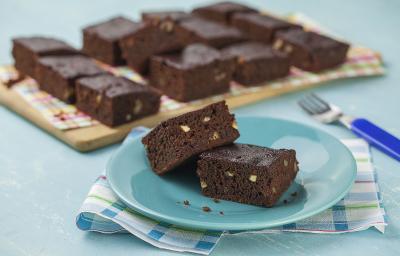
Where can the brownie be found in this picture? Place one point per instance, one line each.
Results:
(311, 51)
(115, 100)
(57, 74)
(179, 139)
(197, 72)
(102, 41)
(27, 50)
(222, 11)
(158, 16)
(148, 39)
(257, 63)
(260, 27)
(198, 30)
(246, 173)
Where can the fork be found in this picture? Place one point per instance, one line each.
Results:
(327, 113)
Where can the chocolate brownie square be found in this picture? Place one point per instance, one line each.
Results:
(102, 41)
(198, 30)
(158, 16)
(260, 27)
(246, 173)
(27, 50)
(115, 100)
(222, 11)
(179, 139)
(197, 72)
(148, 39)
(257, 63)
(57, 74)
(311, 51)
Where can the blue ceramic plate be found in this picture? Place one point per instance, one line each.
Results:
(327, 171)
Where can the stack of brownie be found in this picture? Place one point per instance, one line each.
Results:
(237, 172)
(186, 56)
(67, 74)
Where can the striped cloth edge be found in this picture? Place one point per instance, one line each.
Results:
(361, 209)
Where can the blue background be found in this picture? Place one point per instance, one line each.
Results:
(43, 182)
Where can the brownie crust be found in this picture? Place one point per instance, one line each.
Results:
(198, 72)
(102, 41)
(177, 140)
(115, 100)
(311, 51)
(27, 50)
(222, 12)
(158, 16)
(57, 74)
(246, 173)
(257, 63)
(260, 27)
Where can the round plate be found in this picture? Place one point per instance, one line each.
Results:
(327, 171)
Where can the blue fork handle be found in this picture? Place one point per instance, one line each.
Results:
(377, 137)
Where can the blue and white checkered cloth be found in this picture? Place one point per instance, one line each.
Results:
(361, 209)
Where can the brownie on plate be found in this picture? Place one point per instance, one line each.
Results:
(260, 27)
(311, 51)
(102, 41)
(57, 74)
(257, 63)
(197, 72)
(27, 50)
(222, 11)
(181, 138)
(148, 39)
(198, 30)
(246, 173)
(115, 100)
(158, 16)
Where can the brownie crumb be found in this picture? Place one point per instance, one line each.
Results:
(14, 81)
(216, 200)
(294, 194)
(221, 212)
(186, 202)
(206, 209)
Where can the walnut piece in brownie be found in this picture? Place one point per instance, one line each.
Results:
(311, 51)
(257, 63)
(197, 72)
(102, 41)
(27, 50)
(115, 100)
(158, 16)
(198, 30)
(260, 27)
(179, 139)
(222, 11)
(246, 173)
(57, 74)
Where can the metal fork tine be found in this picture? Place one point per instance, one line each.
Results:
(306, 107)
(320, 107)
(321, 101)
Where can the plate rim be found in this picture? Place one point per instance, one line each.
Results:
(194, 224)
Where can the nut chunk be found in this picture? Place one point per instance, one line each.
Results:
(115, 100)
(311, 51)
(179, 139)
(246, 173)
(198, 72)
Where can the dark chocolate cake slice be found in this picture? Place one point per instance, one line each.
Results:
(246, 173)
(179, 139)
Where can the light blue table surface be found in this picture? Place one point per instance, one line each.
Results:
(43, 181)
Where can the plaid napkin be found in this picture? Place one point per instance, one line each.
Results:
(361, 209)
